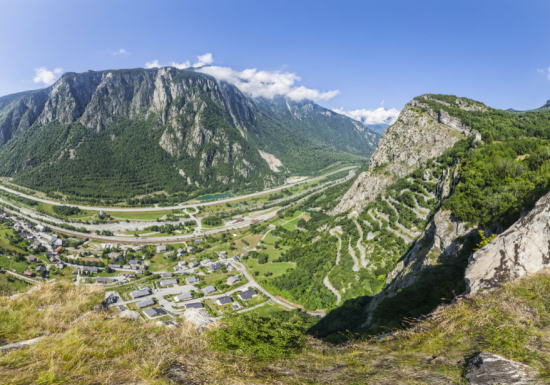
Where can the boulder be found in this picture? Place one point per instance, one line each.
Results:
(129, 314)
(199, 317)
(488, 369)
(523, 249)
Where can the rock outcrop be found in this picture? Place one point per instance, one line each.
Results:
(198, 317)
(414, 138)
(441, 239)
(491, 369)
(521, 250)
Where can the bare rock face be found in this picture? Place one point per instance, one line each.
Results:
(407, 144)
(129, 314)
(441, 239)
(199, 317)
(521, 250)
(488, 369)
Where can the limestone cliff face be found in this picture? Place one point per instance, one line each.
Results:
(441, 239)
(418, 134)
(521, 250)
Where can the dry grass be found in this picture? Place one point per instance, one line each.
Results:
(100, 349)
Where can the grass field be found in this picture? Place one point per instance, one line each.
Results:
(269, 308)
(159, 263)
(10, 284)
(139, 216)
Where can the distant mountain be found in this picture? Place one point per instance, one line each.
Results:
(378, 128)
(112, 133)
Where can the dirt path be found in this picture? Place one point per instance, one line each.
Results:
(334, 291)
(364, 262)
(355, 260)
(405, 238)
(401, 227)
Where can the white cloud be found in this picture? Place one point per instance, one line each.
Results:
(253, 82)
(121, 51)
(546, 72)
(45, 76)
(267, 84)
(204, 60)
(152, 64)
(181, 66)
(372, 117)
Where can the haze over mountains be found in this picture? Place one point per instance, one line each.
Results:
(171, 129)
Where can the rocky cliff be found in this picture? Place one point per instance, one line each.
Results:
(418, 134)
(207, 129)
(523, 249)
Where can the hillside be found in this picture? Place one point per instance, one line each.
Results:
(109, 134)
(80, 345)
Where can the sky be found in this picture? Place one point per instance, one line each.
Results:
(363, 58)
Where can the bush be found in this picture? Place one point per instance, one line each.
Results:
(66, 210)
(212, 221)
(263, 338)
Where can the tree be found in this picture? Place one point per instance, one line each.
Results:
(262, 338)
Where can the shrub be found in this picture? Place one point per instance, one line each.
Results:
(263, 338)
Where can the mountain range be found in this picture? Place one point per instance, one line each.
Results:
(112, 134)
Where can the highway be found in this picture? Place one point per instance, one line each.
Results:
(26, 213)
(181, 205)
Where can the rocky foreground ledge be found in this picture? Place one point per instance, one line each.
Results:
(523, 249)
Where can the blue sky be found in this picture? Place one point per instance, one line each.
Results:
(355, 53)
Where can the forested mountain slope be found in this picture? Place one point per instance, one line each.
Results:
(111, 133)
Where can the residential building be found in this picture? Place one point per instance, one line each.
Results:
(230, 267)
(196, 305)
(137, 248)
(233, 280)
(209, 290)
(115, 256)
(40, 228)
(197, 241)
(32, 258)
(40, 269)
(145, 303)
(190, 249)
(114, 266)
(182, 263)
(58, 249)
(160, 248)
(166, 275)
(169, 282)
(248, 294)
(192, 280)
(58, 242)
(135, 262)
(90, 269)
(140, 293)
(28, 273)
(90, 259)
(224, 300)
(193, 264)
(205, 262)
(127, 267)
(104, 280)
(60, 265)
(184, 297)
(154, 312)
(215, 267)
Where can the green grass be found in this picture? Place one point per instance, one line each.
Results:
(269, 309)
(10, 284)
(145, 215)
(10, 263)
